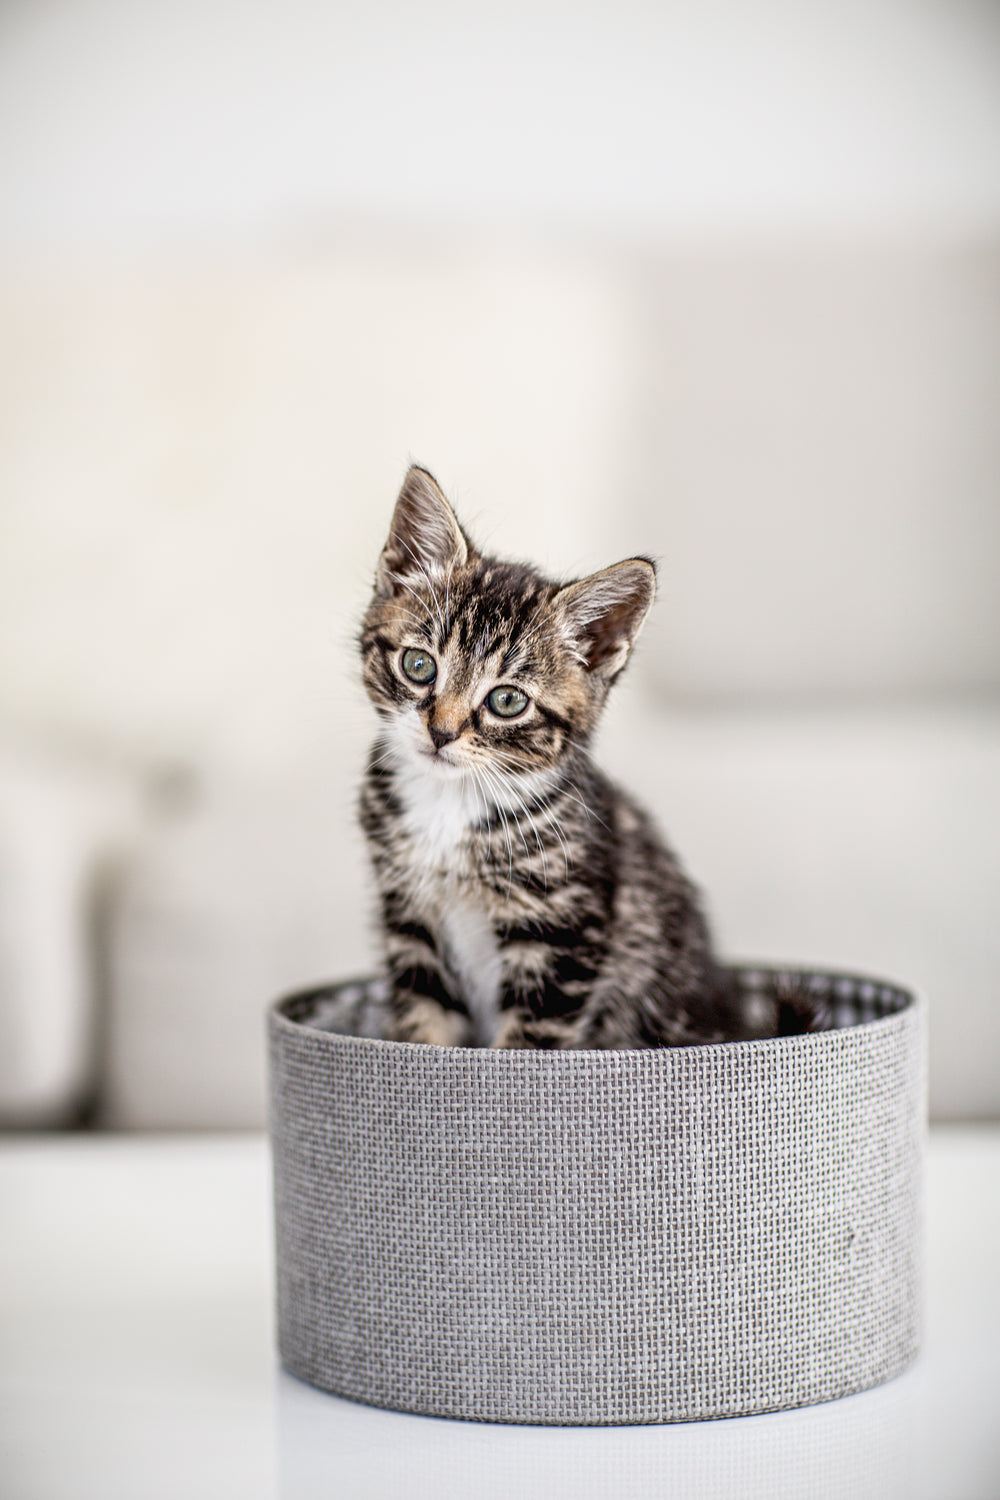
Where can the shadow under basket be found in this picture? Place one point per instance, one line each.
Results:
(599, 1237)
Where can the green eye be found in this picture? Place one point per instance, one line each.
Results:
(507, 702)
(419, 666)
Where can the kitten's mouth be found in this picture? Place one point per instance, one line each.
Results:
(439, 757)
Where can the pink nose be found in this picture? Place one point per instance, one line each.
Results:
(442, 736)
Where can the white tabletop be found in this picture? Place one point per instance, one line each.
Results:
(136, 1360)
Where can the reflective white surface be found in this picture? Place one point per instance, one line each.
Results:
(136, 1360)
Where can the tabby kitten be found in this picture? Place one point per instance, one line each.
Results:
(525, 900)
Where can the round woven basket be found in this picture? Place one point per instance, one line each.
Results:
(599, 1237)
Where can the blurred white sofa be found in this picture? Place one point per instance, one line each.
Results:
(861, 840)
(65, 819)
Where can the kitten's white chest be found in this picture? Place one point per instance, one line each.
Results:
(473, 957)
(438, 819)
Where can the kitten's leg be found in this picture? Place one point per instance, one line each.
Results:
(422, 1008)
(518, 1028)
(547, 980)
(510, 1032)
(417, 1019)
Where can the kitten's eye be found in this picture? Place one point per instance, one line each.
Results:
(507, 702)
(419, 666)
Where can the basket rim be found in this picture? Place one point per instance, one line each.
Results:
(911, 1004)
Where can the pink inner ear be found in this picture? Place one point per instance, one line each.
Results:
(603, 637)
(424, 534)
(605, 612)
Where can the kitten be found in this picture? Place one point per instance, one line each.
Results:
(525, 900)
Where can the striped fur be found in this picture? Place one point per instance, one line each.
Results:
(525, 900)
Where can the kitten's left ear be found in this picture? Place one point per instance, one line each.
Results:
(424, 537)
(602, 615)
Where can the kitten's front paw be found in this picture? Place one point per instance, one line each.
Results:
(427, 1021)
(510, 1032)
(520, 1030)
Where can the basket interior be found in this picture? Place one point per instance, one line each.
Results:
(770, 1001)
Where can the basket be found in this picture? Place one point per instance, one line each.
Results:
(599, 1237)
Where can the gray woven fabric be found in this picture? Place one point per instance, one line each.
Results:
(599, 1237)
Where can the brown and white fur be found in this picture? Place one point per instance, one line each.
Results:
(525, 901)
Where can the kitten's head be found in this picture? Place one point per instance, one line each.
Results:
(480, 665)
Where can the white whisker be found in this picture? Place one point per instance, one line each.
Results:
(423, 604)
(447, 599)
(478, 773)
(423, 573)
(495, 778)
(507, 785)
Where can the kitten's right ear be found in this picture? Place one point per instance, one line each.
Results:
(425, 538)
(601, 616)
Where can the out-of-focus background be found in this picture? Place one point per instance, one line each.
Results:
(718, 281)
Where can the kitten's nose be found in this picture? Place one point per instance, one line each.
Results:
(442, 736)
